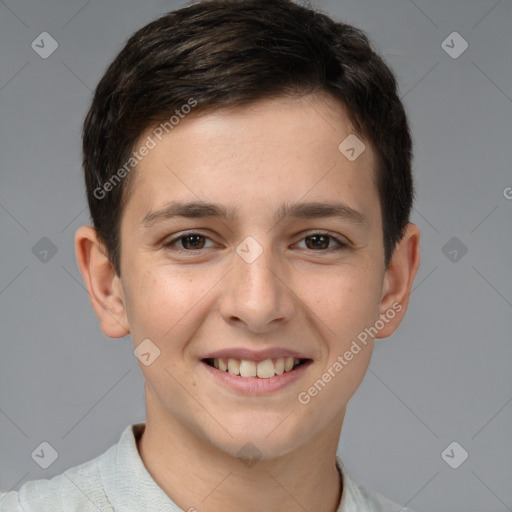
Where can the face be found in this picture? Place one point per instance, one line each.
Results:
(278, 286)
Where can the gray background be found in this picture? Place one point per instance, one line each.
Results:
(443, 377)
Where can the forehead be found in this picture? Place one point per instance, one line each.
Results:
(260, 156)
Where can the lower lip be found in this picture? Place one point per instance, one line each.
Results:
(255, 385)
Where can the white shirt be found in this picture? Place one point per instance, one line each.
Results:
(118, 481)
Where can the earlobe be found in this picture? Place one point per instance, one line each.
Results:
(398, 280)
(103, 284)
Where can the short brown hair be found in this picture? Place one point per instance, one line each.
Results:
(229, 53)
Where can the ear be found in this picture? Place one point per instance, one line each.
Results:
(104, 286)
(398, 280)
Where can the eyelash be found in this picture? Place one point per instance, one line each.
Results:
(169, 245)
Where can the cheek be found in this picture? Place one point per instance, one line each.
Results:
(164, 304)
(346, 303)
(345, 307)
(152, 305)
(161, 310)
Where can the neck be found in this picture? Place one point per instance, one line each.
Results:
(198, 476)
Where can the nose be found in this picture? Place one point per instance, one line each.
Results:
(258, 295)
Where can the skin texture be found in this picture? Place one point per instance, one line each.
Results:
(293, 296)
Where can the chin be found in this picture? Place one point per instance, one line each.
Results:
(261, 437)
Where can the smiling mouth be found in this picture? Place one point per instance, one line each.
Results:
(264, 369)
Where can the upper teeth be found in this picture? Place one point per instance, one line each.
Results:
(264, 369)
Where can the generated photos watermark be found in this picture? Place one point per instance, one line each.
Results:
(304, 397)
(143, 150)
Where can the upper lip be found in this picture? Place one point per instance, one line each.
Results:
(254, 355)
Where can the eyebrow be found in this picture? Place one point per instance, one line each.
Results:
(202, 210)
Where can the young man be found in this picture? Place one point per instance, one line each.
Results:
(248, 172)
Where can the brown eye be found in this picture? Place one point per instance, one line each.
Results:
(192, 241)
(318, 241)
(321, 241)
(189, 242)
